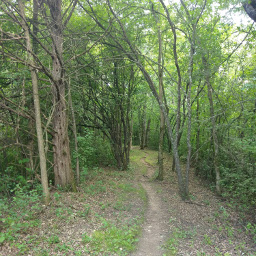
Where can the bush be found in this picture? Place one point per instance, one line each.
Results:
(18, 214)
(93, 150)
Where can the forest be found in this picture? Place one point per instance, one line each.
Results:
(90, 88)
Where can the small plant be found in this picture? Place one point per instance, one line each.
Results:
(230, 231)
(57, 196)
(86, 239)
(53, 239)
(207, 240)
(200, 254)
(112, 240)
(119, 206)
(85, 213)
(104, 205)
(206, 202)
(251, 229)
(172, 243)
(62, 248)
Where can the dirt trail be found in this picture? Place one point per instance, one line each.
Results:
(155, 229)
(206, 225)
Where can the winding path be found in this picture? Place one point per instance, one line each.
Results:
(155, 228)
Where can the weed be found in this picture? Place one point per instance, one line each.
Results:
(230, 231)
(192, 197)
(127, 187)
(85, 213)
(57, 196)
(95, 188)
(120, 206)
(206, 202)
(207, 239)
(41, 252)
(104, 205)
(53, 239)
(201, 254)
(62, 248)
(251, 229)
(172, 243)
(112, 239)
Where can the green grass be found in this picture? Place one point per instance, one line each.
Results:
(104, 200)
(171, 245)
(137, 155)
(112, 239)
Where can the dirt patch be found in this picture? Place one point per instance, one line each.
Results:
(105, 217)
(95, 221)
(155, 228)
(206, 225)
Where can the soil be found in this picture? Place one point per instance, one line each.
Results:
(155, 229)
(205, 225)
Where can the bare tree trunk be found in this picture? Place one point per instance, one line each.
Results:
(160, 175)
(131, 132)
(250, 8)
(40, 140)
(189, 111)
(197, 135)
(178, 116)
(147, 132)
(214, 129)
(62, 159)
(74, 132)
(142, 127)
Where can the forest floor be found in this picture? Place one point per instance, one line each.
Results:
(127, 213)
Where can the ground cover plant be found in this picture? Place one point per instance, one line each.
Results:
(117, 112)
(98, 219)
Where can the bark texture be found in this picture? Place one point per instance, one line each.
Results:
(250, 8)
(62, 159)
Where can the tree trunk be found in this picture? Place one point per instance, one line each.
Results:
(214, 129)
(62, 159)
(160, 175)
(142, 127)
(134, 56)
(197, 135)
(190, 72)
(39, 131)
(250, 8)
(74, 132)
(147, 133)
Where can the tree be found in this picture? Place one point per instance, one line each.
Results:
(51, 27)
(250, 8)
(31, 64)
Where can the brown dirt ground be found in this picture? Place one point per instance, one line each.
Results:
(206, 225)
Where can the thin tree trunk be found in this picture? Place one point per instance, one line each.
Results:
(191, 61)
(160, 175)
(131, 132)
(197, 134)
(147, 132)
(74, 132)
(135, 57)
(214, 129)
(143, 127)
(39, 131)
(178, 116)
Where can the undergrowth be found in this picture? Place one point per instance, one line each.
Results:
(112, 219)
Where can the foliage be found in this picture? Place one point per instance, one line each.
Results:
(112, 239)
(93, 151)
(18, 214)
